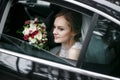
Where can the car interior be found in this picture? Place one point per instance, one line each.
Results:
(20, 12)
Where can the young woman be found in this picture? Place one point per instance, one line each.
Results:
(67, 31)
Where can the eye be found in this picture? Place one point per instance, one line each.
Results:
(61, 29)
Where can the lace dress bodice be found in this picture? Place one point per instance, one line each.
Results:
(63, 52)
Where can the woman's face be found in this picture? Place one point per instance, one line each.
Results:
(62, 32)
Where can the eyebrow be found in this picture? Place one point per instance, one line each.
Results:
(59, 26)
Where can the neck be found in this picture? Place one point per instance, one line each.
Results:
(67, 45)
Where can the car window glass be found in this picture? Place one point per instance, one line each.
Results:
(103, 50)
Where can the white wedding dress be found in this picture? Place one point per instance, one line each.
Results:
(63, 52)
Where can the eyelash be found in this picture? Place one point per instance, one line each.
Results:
(61, 29)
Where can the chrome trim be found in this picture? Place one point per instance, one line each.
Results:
(43, 2)
(60, 66)
(4, 17)
(38, 2)
(108, 4)
(94, 10)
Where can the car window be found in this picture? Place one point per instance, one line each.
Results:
(12, 40)
(15, 21)
(103, 50)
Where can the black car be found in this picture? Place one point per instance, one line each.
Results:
(99, 57)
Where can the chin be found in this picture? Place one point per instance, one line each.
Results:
(56, 41)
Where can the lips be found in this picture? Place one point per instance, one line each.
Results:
(55, 37)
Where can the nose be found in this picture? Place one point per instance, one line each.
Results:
(54, 31)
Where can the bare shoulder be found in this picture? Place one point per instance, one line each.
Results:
(73, 53)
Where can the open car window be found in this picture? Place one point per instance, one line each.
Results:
(22, 11)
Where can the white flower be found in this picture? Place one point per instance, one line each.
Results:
(26, 31)
(38, 36)
(43, 24)
(32, 28)
(32, 40)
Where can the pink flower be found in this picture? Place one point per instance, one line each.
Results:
(43, 28)
(30, 31)
(27, 22)
(26, 37)
(34, 33)
(44, 35)
(36, 22)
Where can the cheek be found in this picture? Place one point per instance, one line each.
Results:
(66, 36)
(65, 39)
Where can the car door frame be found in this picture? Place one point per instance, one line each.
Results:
(53, 64)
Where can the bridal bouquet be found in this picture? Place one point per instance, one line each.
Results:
(35, 33)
